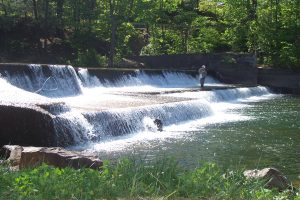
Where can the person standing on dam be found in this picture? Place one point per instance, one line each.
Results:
(202, 75)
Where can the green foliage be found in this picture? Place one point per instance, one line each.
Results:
(97, 29)
(130, 179)
(90, 58)
(267, 28)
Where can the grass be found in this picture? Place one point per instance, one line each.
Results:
(132, 179)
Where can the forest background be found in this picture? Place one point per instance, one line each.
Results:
(99, 33)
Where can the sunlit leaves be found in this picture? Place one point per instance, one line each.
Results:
(268, 28)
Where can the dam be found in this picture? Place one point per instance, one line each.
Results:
(55, 105)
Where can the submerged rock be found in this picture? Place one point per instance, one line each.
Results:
(273, 178)
(25, 157)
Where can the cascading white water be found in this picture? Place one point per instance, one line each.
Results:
(225, 95)
(104, 108)
(87, 80)
(49, 80)
(133, 119)
(12, 94)
(124, 121)
(139, 78)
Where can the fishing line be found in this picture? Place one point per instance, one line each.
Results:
(42, 88)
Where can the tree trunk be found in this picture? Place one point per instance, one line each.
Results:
(76, 14)
(59, 16)
(131, 8)
(186, 36)
(46, 15)
(277, 27)
(113, 32)
(35, 12)
(59, 11)
(45, 27)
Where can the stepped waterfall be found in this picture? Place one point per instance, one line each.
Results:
(94, 109)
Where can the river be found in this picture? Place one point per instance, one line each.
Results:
(234, 127)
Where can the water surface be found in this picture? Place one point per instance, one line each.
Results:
(232, 126)
(254, 133)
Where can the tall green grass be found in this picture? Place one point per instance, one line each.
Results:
(132, 179)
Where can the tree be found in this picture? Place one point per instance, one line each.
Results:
(96, 29)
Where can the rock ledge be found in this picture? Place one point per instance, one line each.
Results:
(25, 157)
(273, 178)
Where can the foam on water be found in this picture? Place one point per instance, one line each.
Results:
(12, 94)
(117, 122)
(176, 131)
(120, 113)
(226, 94)
(222, 113)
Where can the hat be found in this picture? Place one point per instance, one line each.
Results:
(203, 66)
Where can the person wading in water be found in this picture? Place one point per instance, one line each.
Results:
(202, 75)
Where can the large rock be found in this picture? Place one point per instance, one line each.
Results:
(26, 125)
(27, 157)
(13, 154)
(32, 125)
(273, 178)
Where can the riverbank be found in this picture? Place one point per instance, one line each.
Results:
(134, 179)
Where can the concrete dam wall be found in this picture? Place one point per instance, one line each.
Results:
(227, 67)
(281, 80)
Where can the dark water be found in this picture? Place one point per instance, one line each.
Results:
(270, 138)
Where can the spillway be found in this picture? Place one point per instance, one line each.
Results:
(90, 108)
(112, 112)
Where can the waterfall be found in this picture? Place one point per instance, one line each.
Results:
(12, 94)
(88, 80)
(140, 78)
(46, 80)
(73, 127)
(85, 107)
(225, 95)
(124, 121)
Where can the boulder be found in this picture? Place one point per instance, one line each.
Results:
(26, 125)
(33, 125)
(273, 178)
(27, 157)
(13, 154)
